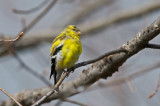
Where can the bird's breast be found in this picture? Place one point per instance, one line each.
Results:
(69, 54)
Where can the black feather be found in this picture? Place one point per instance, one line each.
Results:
(55, 80)
(53, 64)
(57, 50)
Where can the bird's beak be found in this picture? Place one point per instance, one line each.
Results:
(79, 33)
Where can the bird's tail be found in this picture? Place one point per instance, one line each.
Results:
(57, 76)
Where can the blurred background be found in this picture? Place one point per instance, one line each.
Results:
(105, 24)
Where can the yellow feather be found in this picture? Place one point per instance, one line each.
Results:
(71, 49)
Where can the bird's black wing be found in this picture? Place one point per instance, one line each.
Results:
(53, 63)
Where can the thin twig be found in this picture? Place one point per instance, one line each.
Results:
(28, 69)
(156, 89)
(121, 16)
(23, 22)
(119, 81)
(98, 70)
(93, 6)
(24, 30)
(33, 72)
(59, 103)
(43, 13)
(66, 73)
(30, 10)
(40, 101)
(153, 46)
(99, 58)
(12, 40)
(70, 101)
(130, 84)
(10, 96)
(74, 102)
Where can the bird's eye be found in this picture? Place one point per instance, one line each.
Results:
(74, 29)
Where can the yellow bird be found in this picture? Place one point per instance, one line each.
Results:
(65, 51)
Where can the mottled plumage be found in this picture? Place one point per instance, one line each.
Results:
(65, 51)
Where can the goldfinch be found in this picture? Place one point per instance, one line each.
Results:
(65, 51)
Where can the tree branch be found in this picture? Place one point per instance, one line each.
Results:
(65, 74)
(28, 69)
(156, 89)
(35, 20)
(99, 69)
(153, 46)
(45, 36)
(12, 40)
(10, 97)
(82, 12)
(121, 16)
(32, 9)
(70, 101)
(119, 81)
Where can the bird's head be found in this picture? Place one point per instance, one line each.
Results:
(72, 30)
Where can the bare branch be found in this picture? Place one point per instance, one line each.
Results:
(119, 17)
(43, 13)
(156, 89)
(10, 97)
(32, 9)
(99, 58)
(33, 40)
(12, 40)
(56, 87)
(74, 102)
(65, 74)
(82, 12)
(130, 84)
(153, 46)
(70, 101)
(119, 81)
(99, 69)
(28, 69)
(31, 24)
